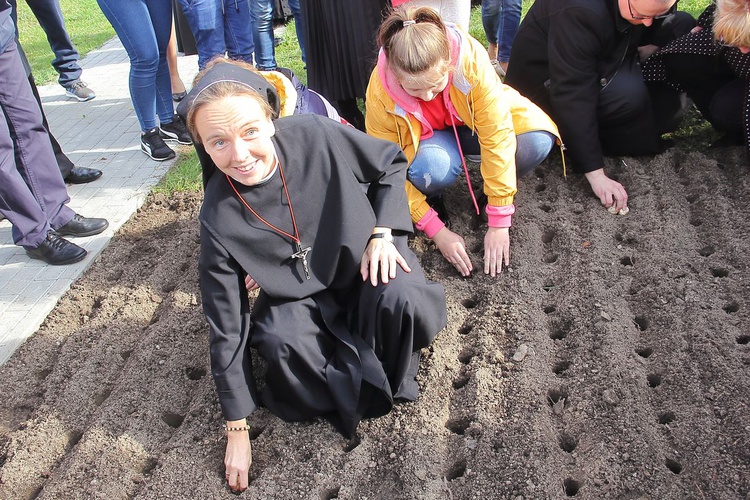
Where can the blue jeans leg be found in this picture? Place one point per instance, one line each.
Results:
(238, 32)
(262, 15)
(144, 27)
(531, 150)
(50, 18)
(491, 19)
(438, 164)
(298, 26)
(510, 19)
(205, 20)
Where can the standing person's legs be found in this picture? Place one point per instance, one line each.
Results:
(491, 23)
(160, 13)
(51, 20)
(132, 23)
(238, 30)
(261, 12)
(510, 19)
(178, 87)
(63, 162)
(206, 23)
(299, 26)
(32, 191)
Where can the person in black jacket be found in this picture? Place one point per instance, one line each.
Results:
(579, 60)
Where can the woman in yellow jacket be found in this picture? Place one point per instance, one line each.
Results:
(435, 93)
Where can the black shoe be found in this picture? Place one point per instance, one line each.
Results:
(57, 251)
(175, 131)
(437, 204)
(83, 226)
(154, 146)
(82, 175)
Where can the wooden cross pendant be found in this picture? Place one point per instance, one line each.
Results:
(301, 253)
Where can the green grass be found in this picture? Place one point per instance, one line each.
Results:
(185, 175)
(87, 27)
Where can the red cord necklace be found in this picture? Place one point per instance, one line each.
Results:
(301, 253)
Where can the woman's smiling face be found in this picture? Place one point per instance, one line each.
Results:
(237, 136)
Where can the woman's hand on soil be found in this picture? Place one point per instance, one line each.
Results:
(453, 248)
(250, 283)
(237, 460)
(382, 258)
(496, 250)
(610, 193)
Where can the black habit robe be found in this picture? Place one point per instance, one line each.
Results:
(334, 346)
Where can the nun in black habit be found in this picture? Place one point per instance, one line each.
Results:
(314, 213)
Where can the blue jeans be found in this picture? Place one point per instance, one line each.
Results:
(261, 12)
(438, 164)
(220, 27)
(298, 26)
(501, 19)
(144, 27)
(50, 18)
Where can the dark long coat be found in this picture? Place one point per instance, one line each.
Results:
(334, 346)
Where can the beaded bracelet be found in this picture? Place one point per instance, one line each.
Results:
(238, 428)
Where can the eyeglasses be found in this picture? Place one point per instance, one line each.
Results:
(638, 16)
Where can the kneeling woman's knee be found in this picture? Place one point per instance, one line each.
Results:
(436, 166)
(531, 150)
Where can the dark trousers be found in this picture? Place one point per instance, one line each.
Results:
(712, 85)
(33, 196)
(50, 18)
(63, 162)
(632, 114)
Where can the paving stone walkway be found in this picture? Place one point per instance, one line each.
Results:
(102, 133)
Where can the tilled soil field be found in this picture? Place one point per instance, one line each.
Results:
(612, 360)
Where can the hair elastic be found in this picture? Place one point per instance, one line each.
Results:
(409, 22)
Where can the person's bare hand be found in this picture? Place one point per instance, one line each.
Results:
(453, 248)
(496, 250)
(381, 258)
(611, 193)
(250, 283)
(237, 460)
